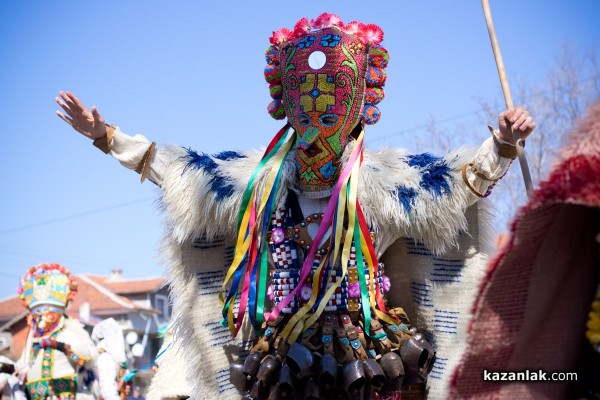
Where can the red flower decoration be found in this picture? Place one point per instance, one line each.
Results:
(326, 20)
(353, 28)
(302, 28)
(371, 34)
(280, 36)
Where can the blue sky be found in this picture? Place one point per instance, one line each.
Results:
(184, 73)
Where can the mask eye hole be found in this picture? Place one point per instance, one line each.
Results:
(329, 119)
(303, 119)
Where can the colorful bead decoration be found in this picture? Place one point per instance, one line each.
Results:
(50, 285)
(361, 38)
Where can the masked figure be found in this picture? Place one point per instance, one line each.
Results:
(320, 251)
(111, 361)
(58, 357)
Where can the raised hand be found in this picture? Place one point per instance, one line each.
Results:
(519, 120)
(89, 123)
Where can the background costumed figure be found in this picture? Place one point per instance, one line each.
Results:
(58, 358)
(315, 244)
(10, 386)
(111, 361)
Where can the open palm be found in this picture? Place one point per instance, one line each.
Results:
(89, 123)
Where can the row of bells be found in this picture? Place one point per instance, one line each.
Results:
(304, 374)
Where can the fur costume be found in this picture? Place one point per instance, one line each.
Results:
(414, 212)
(432, 235)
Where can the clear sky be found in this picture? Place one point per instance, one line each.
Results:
(191, 74)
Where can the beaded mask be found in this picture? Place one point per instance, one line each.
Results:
(46, 290)
(326, 78)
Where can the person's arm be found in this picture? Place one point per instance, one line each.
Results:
(136, 153)
(496, 154)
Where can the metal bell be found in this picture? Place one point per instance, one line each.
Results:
(275, 393)
(312, 390)
(237, 377)
(391, 363)
(252, 363)
(286, 382)
(353, 378)
(418, 356)
(328, 371)
(374, 373)
(259, 391)
(269, 370)
(300, 360)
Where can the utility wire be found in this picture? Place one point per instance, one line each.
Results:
(460, 116)
(402, 132)
(68, 217)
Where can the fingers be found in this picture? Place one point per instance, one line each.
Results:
(62, 116)
(519, 118)
(70, 122)
(65, 108)
(69, 101)
(76, 101)
(97, 117)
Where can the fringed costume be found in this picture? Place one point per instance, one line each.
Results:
(341, 271)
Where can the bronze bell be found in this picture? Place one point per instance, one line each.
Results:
(352, 378)
(252, 363)
(259, 391)
(312, 390)
(269, 370)
(237, 377)
(374, 373)
(286, 382)
(391, 363)
(328, 371)
(418, 356)
(300, 360)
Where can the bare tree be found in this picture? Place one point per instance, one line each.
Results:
(570, 85)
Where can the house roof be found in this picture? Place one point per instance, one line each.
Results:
(10, 308)
(130, 286)
(102, 295)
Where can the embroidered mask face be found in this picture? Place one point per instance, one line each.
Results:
(325, 77)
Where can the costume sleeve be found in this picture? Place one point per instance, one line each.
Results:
(201, 193)
(134, 151)
(107, 377)
(487, 167)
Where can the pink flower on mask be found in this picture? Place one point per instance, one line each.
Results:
(371, 34)
(326, 20)
(280, 36)
(302, 28)
(352, 28)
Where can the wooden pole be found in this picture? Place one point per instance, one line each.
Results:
(507, 96)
